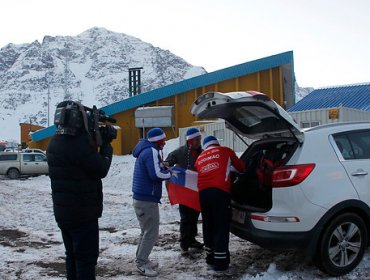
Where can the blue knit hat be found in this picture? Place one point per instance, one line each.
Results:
(155, 134)
(193, 132)
(210, 140)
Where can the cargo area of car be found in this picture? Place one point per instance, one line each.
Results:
(252, 190)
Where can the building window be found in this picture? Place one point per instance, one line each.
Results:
(305, 124)
(309, 124)
(315, 124)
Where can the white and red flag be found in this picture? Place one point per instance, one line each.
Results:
(182, 188)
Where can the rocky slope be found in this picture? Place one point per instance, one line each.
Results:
(91, 67)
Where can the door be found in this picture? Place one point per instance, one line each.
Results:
(354, 148)
(41, 165)
(27, 164)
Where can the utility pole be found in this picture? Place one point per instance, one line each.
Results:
(66, 77)
(66, 70)
(48, 105)
(47, 77)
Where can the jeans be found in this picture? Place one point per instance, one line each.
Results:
(81, 242)
(147, 214)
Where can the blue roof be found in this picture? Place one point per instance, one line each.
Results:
(350, 96)
(43, 133)
(186, 85)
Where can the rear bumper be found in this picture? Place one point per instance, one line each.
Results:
(304, 241)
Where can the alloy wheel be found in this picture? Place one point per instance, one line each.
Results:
(344, 244)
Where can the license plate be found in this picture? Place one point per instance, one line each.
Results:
(238, 216)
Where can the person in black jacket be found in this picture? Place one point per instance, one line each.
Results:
(76, 168)
(185, 157)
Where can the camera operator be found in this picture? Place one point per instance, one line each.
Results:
(76, 166)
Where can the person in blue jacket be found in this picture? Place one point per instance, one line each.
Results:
(149, 173)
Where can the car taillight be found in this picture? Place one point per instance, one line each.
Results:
(274, 219)
(291, 175)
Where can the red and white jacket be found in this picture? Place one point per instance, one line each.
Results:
(214, 167)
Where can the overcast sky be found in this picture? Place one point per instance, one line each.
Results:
(330, 38)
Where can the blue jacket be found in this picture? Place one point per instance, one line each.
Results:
(148, 174)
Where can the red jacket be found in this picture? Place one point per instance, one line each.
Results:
(214, 166)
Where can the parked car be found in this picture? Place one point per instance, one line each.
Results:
(11, 149)
(14, 165)
(307, 190)
(34, 151)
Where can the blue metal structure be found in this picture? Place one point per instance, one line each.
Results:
(350, 96)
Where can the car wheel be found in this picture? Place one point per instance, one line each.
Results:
(343, 244)
(13, 173)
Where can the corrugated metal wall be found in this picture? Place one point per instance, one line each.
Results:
(225, 136)
(350, 114)
(322, 116)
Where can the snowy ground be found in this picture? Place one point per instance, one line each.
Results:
(31, 245)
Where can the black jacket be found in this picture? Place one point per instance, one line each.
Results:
(75, 170)
(183, 157)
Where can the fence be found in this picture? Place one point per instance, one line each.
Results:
(225, 136)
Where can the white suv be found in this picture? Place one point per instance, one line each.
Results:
(307, 190)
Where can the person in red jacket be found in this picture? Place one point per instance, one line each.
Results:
(214, 166)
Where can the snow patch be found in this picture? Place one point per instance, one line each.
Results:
(31, 245)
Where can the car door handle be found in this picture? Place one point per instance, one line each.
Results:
(359, 172)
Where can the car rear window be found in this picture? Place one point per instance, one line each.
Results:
(354, 145)
(251, 115)
(8, 157)
(344, 146)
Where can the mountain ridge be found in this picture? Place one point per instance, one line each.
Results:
(91, 67)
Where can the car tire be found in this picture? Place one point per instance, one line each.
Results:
(342, 244)
(13, 173)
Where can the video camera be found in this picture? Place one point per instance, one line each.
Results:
(70, 117)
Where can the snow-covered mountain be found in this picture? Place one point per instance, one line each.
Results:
(301, 92)
(91, 67)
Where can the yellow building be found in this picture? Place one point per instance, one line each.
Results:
(273, 75)
(26, 130)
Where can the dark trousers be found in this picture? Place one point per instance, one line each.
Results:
(216, 216)
(188, 225)
(81, 242)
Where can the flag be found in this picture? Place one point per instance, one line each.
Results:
(182, 188)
